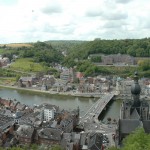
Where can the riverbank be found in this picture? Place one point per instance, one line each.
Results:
(72, 94)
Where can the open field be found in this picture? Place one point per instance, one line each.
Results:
(7, 80)
(27, 65)
(16, 45)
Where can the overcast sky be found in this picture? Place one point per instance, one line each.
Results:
(41, 20)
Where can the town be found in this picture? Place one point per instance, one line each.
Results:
(48, 124)
(72, 82)
(74, 75)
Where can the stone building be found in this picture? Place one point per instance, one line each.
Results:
(25, 134)
(118, 59)
(27, 81)
(48, 136)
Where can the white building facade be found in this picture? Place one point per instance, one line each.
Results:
(48, 114)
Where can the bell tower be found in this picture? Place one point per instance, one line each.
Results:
(135, 91)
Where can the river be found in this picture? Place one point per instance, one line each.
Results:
(64, 102)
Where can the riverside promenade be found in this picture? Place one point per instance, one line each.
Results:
(70, 93)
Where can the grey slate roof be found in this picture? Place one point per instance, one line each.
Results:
(95, 141)
(25, 79)
(5, 122)
(135, 114)
(25, 131)
(50, 133)
(128, 125)
(20, 106)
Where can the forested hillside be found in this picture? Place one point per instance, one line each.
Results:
(39, 51)
(133, 47)
(77, 53)
(65, 45)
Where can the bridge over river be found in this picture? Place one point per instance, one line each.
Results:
(97, 108)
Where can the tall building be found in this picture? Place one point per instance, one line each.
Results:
(134, 113)
(48, 112)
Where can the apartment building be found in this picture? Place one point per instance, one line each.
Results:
(68, 75)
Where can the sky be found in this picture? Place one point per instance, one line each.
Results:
(42, 20)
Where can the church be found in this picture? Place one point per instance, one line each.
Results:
(134, 113)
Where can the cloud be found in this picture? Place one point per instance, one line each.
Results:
(114, 15)
(50, 9)
(123, 1)
(94, 13)
(32, 20)
(114, 24)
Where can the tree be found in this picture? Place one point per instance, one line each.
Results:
(137, 140)
(56, 147)
(113, 148)
(97, 59)
(109, 119)
(144, 65)
(139, 52)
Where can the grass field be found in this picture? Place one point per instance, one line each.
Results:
(27, 65)
(7, 80)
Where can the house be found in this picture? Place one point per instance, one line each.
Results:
(4, 61)
(47, 81)
(58, 87)
(30, 118)
(25, 134)
(66, 125)
(79, 75)
(91, 140)
(70, 141)
(20, 106)
(48, 136)
(27, 81)
(47, 111)
(17, 115)
(5, 102)
(68, 75)
(6, 112)
(6, 127)
(95, 141)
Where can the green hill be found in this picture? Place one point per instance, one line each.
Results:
(133, 47)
